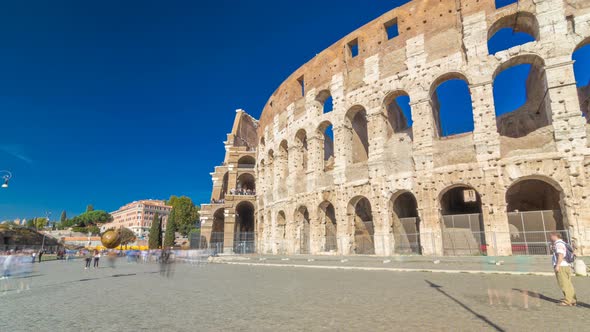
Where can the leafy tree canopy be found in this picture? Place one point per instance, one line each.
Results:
(90, 218)
(184, 212)
(127, 236)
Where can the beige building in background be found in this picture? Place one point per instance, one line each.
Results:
(138, 216)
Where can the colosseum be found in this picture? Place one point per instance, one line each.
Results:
(352, 155)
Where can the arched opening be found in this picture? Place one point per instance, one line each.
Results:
(327, 133)
(512, 30)
(398, 112)
(359, 209)
(246, 162)
(581, 57)
(451, 104)
(463, 230)
(224, 185)
(304, 227)
(281, 233)
(325, 99)
(534, 211)
(244, 229)
(284, 160)
(217, 231)
(301, 149)
(357, 119)
(520, 97)
(405, 224)
(246, 184)
(327, 218)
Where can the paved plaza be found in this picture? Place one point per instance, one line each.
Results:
(219, 297)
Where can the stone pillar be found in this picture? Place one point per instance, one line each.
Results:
(570, 138)
(229, 232)
(315, 162)
(485, 132)
(377, 133)
(424, 133)
(342, 151)
(430, 219)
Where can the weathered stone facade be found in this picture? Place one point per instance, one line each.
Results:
(221, 222)
(315, 195)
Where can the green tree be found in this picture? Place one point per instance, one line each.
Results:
(186, 214)
(170, 235)
(89, 208)
(64, 216)
(40, 223)
(127, 236)
(91, 218)
(155, 237)
(93, 229)
(31, 223)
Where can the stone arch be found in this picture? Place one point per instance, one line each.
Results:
(396, 106)
(405, 222)
(246, 162)
(535, 206)
(324, 98)
(284, 159)
(245, 228)
(303, 224)
(360, 217)
(224, 185)
(218, 230)
(512, 30)
(246, 184)
(281, 233)
(327, 219)
(326, 133)
(356, 119)
(301, 151)
(452, 86)
(462, 221)
(535, 112)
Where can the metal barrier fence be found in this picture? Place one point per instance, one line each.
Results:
(534, 243)
(245, 243)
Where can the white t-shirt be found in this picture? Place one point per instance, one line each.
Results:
(560, 248)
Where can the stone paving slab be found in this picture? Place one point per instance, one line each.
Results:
(218, 297)
(538, 265)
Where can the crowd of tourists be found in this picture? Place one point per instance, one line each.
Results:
(242, 191)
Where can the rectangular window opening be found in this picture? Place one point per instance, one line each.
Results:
(353, 47)
(301, 81)
(391, 29)
(504, 3)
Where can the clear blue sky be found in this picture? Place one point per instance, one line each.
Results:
(105, 102)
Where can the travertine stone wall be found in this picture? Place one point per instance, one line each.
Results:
(546, 139)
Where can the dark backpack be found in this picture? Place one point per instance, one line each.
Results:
(570, 257)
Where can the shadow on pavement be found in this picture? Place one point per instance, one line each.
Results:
(482, 317)
(550, 299)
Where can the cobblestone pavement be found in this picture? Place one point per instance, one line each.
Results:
(218, 297)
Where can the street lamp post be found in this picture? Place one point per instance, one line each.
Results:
(6, 176)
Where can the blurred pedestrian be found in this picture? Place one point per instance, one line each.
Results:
(96, 258)
(33, 256)
(40, 255)
(87, 258)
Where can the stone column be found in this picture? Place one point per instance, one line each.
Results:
(424, 134)
(485, 132)
(315, 161)
(377, 134)
(342, 151)
(229, 232)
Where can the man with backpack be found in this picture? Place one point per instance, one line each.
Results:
(563, 257)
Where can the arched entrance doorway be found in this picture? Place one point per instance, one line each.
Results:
(246, 184)
(217, 231)
(462, 228)
(405, 224)
(534, 211)
(244, 229)
(327, 218)
(302, 221)
(363, 227)
(280, 235)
